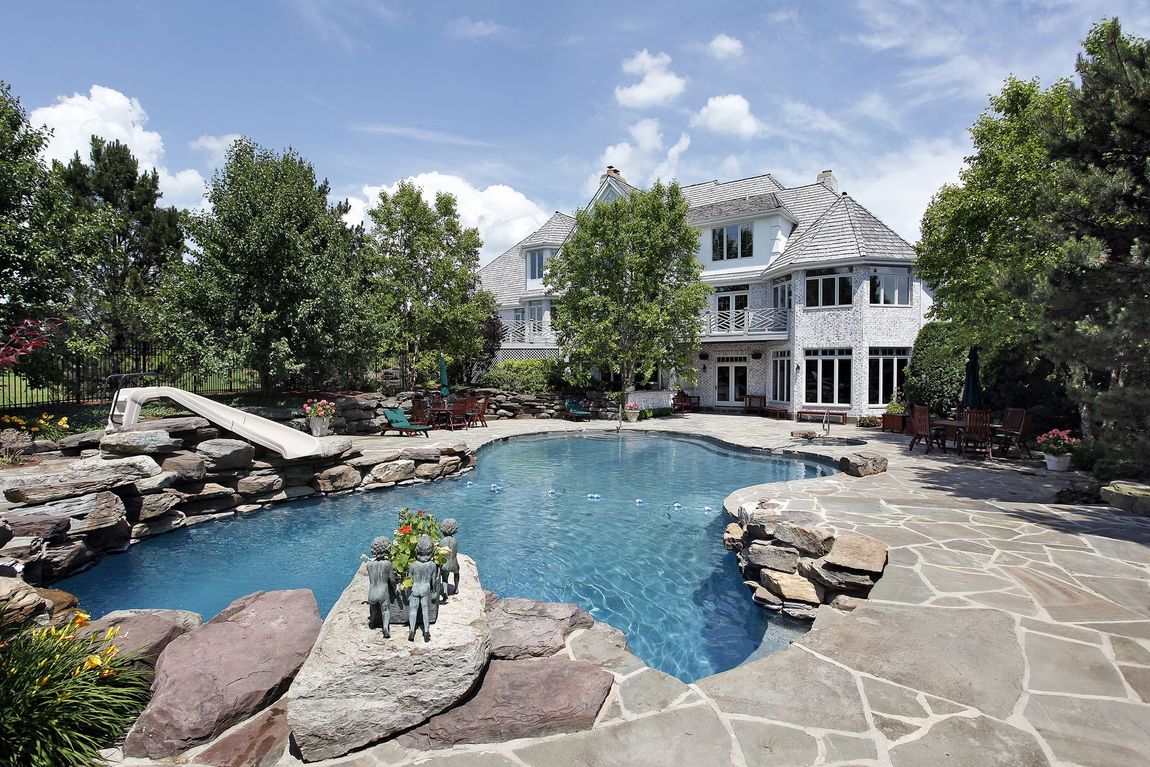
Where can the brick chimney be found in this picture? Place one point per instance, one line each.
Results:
(827, 179)
(614, 173)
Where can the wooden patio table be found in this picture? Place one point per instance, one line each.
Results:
(953, 426)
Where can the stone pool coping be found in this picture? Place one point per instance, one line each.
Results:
(1006, 630)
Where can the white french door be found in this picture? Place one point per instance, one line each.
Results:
(730, 381)
(732, 313)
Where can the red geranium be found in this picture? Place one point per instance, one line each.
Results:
(405, 530)
(421, 512)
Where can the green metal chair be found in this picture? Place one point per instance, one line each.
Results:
(397, 421)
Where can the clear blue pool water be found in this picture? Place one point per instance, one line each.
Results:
(654, 570)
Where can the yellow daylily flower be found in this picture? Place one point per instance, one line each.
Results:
(81, 619)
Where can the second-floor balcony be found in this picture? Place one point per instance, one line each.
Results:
(755, 323)
(529, 332)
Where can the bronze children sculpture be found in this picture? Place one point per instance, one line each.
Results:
(426, 582)
(381, 586)
(451, 567)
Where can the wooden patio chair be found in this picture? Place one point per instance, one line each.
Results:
(1014, 430)
(478, 416)
(680, 402)
(459, 415)
(920, 428)
(419, 412)
(976, 432)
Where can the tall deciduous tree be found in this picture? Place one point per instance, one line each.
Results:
(275, 281)
(628, 294)
(424, 275)
(133, 240)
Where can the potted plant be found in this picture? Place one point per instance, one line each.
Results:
(631, 411)
(319, 413)
(894, 419)
(1056, 446)
(413, 525)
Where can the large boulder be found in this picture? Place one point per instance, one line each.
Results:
(258, 742)
(188, 467)
(337, 478)
(862, 464)
(82, 477)
(6, 533)
(393, 471)
(143, 634)
(227, 670)
(143, 442)
(19, 601)
(225, 454)
(357, 687)
(520, 699)
(852, 551)
(525, 628)
(50, 527)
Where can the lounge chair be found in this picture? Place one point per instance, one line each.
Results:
(575, 409)
(397, 421)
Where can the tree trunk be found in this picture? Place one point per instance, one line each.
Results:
(627, 373)
(1078, 375)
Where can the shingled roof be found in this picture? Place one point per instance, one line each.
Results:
(845, 232)
(738, 206)
(708, 192)
(506, 275)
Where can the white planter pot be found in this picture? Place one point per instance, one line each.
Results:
(631, 415)
(319, 427)
(1057, 462)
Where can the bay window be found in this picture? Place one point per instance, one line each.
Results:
(887, 372)
(829, 287)
(890, 286)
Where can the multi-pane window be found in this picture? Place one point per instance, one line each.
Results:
(890, 286)
(828, 376)
(829, 287)
(781, 293)
(781, 376)
(535, 262)
(887, 372)
(735, 241)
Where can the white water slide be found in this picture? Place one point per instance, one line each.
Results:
(285, 440)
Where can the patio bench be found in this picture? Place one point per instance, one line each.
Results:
(754, 403)
(818, 415)
(778, 413)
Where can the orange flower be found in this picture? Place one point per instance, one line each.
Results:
(405, 530)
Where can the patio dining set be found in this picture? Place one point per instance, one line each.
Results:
(973, 430)
(436, 412)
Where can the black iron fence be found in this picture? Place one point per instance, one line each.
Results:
(78, 379)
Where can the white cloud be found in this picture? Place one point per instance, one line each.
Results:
(808, 119)
(642, 159)
(215, 147)
(468, 29)
(422, 134)
(503, 215)
(725, 47)
(730, 114)
(113, 116)
(730, 167)
(658, 86)
(877, 107)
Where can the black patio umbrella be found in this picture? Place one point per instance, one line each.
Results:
(971, 387)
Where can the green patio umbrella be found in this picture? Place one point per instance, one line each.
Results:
(971, 387)
(443, 376)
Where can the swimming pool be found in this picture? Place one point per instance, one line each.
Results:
(656, 570)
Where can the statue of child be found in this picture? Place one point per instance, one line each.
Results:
(451, 567)
(425, 584)
(381, 586)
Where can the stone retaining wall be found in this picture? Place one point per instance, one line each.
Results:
(104, 492)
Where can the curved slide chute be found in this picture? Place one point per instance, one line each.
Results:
(285, 440)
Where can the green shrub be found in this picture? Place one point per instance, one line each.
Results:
(65, 695)
(522, 376)
(869, 421)
(656, 412)
(937, 368)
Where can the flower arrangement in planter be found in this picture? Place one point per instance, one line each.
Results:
(319, 413)
(631, 411)
(894, 417)
(1056, 446)
(412, 525)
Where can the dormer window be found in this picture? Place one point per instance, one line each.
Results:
(536, 260)
(730, 242)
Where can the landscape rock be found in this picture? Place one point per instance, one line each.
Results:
(393, 471)
(165, 523)
(143, 442)
(772, 557)
(862, 464)
(161, 481)
(526, 628)
(50, 527)
(84, 476)
(337, 478)
(519, 699)
(259, 484)
(19, 601)
(222, 673)
(210, 504)
(259, 742)
(189, 467)
(370, 458)
(141, 508)
(143, 634)
(177, 427)
(34, 494)
(733, 537)
(81, 441)
(427, 453)
(810, 540)
(1128, 496)
(858, 552)
(6, 533)
(356, 687)
(763, 597)
(90, 512)
(428, 470)
(224, 454)
(66, 559)
(792, 587)
(838, 580)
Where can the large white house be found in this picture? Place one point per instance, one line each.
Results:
(816, 303)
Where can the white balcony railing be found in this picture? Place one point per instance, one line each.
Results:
(745, 322)
(528, 332)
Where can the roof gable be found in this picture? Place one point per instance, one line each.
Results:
(846, 231)
(506, 276)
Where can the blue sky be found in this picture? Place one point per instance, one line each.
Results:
(517, 107)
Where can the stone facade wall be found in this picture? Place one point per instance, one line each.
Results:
(104, 492)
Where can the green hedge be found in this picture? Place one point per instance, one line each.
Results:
(523, 376)
(655, 412)
(937, 368)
